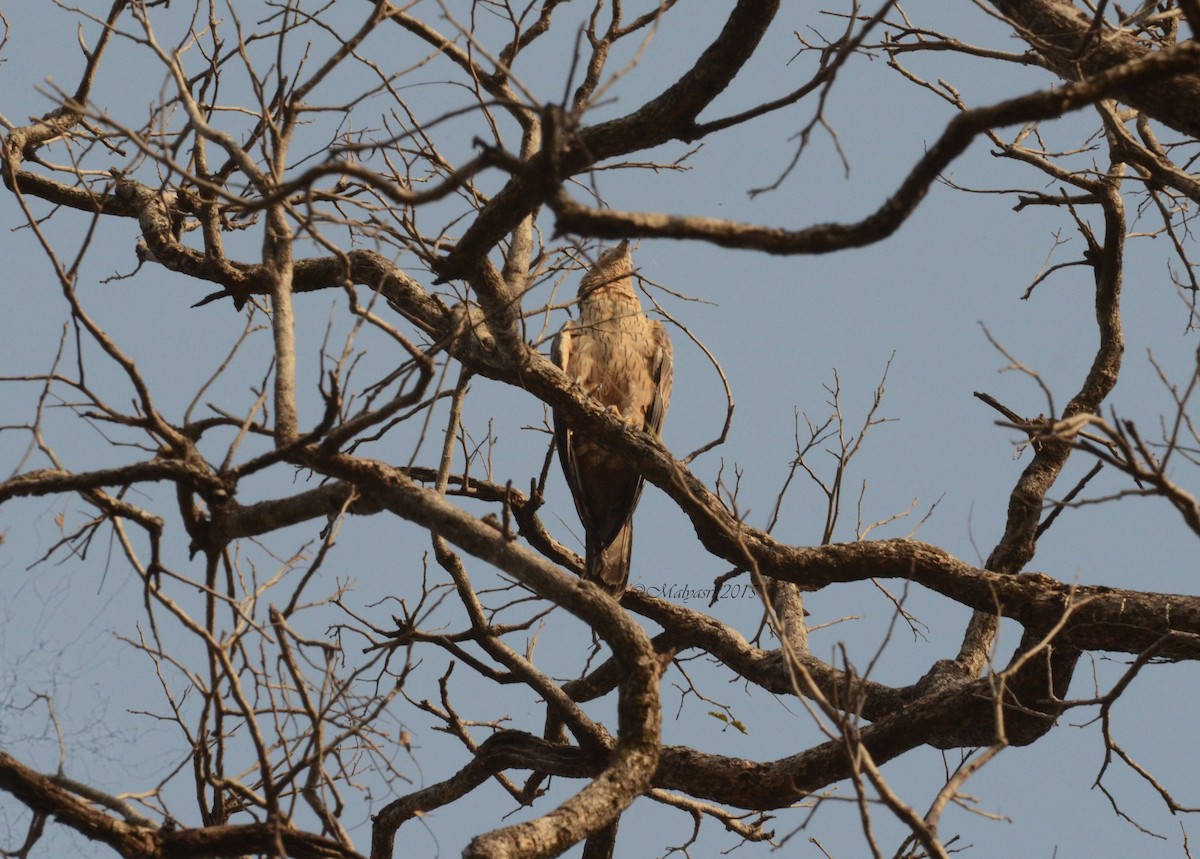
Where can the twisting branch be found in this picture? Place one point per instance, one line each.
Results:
(413, 164)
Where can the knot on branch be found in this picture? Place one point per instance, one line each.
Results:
(159, 219)
(470, 332)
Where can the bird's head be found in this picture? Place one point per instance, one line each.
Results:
(615, 264)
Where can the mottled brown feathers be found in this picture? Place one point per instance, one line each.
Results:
(623, 360)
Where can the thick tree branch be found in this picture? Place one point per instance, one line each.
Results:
(666, 117)
(1064, 36)
(960, 132)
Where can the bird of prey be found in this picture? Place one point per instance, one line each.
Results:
(623, 360)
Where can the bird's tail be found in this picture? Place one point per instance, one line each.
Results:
(608, 566)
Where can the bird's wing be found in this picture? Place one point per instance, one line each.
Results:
(560, 354)
(615, 487)
(662, 371)
(625, 488)
(604, 489)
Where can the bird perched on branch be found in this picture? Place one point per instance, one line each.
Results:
(623, 360)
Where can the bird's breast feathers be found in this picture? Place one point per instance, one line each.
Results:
(615, 364)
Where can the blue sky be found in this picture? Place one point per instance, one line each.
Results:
(780, 327)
